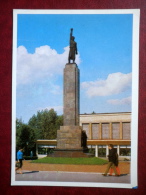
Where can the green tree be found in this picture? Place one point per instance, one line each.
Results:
(35, 123)
(45, 124)
(25, 137)
(19, 124)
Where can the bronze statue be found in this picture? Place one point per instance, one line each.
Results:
(84, 139)
(73, 48)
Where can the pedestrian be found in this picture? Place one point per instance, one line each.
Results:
(117, 168)
(112, 160)
(19, 160)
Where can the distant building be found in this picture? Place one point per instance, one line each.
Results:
(101, 129)
(108, 128)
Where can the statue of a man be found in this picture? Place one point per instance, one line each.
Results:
(73, 48)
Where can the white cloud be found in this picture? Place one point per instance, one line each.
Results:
(45, 62)
(114, 84)
(124, 101)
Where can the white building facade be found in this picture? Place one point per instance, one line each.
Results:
(108, 128)
(101, 130)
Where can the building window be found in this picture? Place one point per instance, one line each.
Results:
(116, 130)
(105, 130)
(85, 127)
(102, 151)
(125, 151)
(42, 150)
(95, 131)
(126, 131)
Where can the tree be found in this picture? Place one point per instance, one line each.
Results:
(35, 123)
(45, 124)
(25, 137)
(19, 124)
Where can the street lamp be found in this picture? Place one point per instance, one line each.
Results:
(26, 148)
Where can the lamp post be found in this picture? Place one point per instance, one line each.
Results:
(26, 148)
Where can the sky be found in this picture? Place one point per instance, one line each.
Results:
(104, 43)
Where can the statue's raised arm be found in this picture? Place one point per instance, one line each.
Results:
(71, 32)
(73, 47)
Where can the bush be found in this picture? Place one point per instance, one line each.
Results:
(30, 158)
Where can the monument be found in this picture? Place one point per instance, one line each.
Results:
(70, 137)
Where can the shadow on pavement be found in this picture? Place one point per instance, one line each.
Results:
(118, 176)
(30, 172)
(123, 174)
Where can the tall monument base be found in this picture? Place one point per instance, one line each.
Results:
(70, 136)
(69, 153)
(69, 141)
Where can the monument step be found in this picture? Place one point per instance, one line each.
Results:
(70, 153)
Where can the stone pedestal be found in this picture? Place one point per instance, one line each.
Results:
(71, 95)
(70, 134)
(70, 153)
(69, 137)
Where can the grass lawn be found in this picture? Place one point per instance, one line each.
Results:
(73, 161)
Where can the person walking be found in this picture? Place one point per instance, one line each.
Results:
(20, 159)
(117, 168)
(112, 160)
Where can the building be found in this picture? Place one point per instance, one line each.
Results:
(108, 128)
(101, 129)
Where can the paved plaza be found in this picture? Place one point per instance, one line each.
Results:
(59, 176)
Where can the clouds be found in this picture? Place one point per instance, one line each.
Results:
(42, 72)
(124, 101)
(45, 62)
(115, 83)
